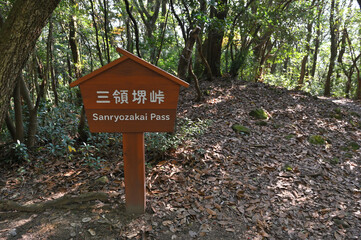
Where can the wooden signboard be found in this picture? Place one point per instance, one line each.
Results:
(131, 96)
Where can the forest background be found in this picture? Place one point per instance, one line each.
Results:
(305, 45)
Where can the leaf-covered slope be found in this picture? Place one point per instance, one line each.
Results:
(272, 182)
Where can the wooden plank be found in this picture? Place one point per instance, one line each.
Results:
(134, 172)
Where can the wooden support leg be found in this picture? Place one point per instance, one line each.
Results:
(134, 172)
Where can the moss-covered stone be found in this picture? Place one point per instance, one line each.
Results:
(354, 146)
(337, 110)
(316, 139)
(289, 136)
(102, 180)
(337, 116)
(288, 167)
(335, 161)
(355, 114)
(259, 113)
(241, 129)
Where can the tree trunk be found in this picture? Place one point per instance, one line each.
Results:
(96, 33)
(317, 42)
(51, 62)
(18, 112)
(358, 91)
(149, 21)
(213, 44)
(203, 59)
(305, 58)
(18, 35)
(126, 2)
(106, 29)
(334, 40)
(73, 42)
(184, 59)
(11, 127)
(33, 112)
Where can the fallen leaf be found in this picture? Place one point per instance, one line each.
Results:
(210, 211)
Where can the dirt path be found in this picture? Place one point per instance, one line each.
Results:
(271, 183)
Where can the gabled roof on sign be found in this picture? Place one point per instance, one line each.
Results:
(128, 55)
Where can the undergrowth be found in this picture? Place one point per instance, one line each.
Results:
(57, 139)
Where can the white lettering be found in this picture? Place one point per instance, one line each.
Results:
(130, 117)
(156, 96)
(139, 96)
(103, 95)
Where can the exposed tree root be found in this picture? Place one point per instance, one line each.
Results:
(62, 202)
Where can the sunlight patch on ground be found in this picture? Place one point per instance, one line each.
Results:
(19, 223)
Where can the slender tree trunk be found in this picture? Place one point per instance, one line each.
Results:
(203, 59)
(199, 62)
(162, 39)
(96, 33)
(73, 42)
(305, 58)
(317, 42)
(17, 40)
(11, 127)
(135, 27)
(70, 72)
(196, 82)
(18, 112)
(129, 36)
(33, 113)
(358, 91)
(334, 40)
(106, 29)
(51, 62)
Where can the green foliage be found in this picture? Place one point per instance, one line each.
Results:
(90, 154)
(57, 127)
(20, 151)
(317, 140)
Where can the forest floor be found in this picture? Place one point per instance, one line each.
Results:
(268, 183)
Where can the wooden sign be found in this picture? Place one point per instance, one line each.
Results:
(131, 96)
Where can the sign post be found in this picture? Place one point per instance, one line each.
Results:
(131, 96)
(134, 171)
